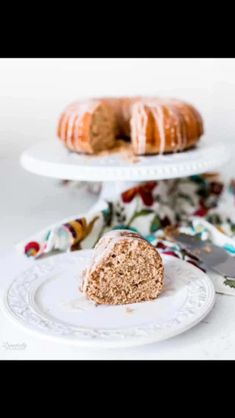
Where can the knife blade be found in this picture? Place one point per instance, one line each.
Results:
(212, 256)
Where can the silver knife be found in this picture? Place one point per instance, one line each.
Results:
(212, 256)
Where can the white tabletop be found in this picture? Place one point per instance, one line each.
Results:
(30, 203)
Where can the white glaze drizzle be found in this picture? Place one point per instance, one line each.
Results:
(189, 112)
(65, 121)
(63, 125)
(73, 116)
(157, 112)
(75, 133)
(176, 116)
(138, 123)
(180, 108)
(181, 113)
(69, 136)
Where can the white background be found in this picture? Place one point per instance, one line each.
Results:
(33, 93)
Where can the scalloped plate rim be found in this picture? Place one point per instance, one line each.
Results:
(126, 342)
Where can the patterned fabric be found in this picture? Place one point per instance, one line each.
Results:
(200, 204)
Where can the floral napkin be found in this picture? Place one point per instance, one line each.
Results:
(200, 204)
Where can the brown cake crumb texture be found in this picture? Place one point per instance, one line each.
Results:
(102, 129)
(129, 271)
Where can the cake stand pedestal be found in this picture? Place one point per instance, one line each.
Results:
(118, 172)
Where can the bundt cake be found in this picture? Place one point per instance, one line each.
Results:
(153, 125)
(125, 268)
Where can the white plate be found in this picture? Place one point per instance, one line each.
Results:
(52, 159)
(45, 298)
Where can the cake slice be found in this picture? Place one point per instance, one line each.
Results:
(125, 268)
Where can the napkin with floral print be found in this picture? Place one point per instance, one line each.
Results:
(200, 204)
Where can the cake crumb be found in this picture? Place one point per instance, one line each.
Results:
(207, 249)
(129, 310)
(131, 158)
(121, 147)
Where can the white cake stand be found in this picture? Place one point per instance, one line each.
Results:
(118, 172)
